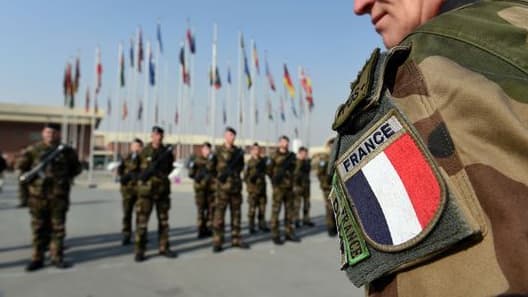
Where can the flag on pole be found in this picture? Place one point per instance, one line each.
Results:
(229, 75)
(96, 105)
(108, 106)
(217, 81)
(77, 79)
(122, 67)
(288, 82)
(294, 111)
(306, 83)
(224, 113)
(282, 112)
(256, 59)
(158, 35)
(176, 117)
(131, 52)
(270, 77)
(152, 71)
(246, 65)
(124, 114)
(140, 56)
(270, 110)
(87, 100)
(184, 73)
(67, 85)
(140, 111)
(99, 71)
(191, 41)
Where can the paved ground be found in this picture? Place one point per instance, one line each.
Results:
(104, 268)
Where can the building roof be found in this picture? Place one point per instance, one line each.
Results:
(15, 112)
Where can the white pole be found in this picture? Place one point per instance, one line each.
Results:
(240, 114)
(92, 125)
(180, 105)
(146, 97)
(118, 100)
(213, 88)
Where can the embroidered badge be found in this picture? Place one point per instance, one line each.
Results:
(392, 184)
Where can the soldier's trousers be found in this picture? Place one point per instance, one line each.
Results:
(128, 209)
(205, 206)
(48, 219)
(286, 198)
(23, 194)
(330, 219)
(302, 196)
(144, 208)
(257, 204)
(222, 201)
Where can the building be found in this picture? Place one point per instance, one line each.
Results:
(21, 125)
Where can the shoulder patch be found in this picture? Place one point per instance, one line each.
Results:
(392, 184)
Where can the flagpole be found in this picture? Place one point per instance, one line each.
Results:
(146, 96)
(228, 108)
(240, 114)
(180, 105)
(92, 125)
(252, 93)
(213, 88)
(118, 100)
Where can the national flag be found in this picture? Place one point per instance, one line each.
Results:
(77, 79)
(67, 85)
(158, 35)
(99, 71)
(121, 67)
(140, 111)
(396, 190)
(229, 75)
(184, 73)
(288, 82)
(270, 77)
(282, 112)
(140, 56)
(87, 100)
(217, 81)
(108, 106)
(306, 83)
(256, 59)
(124, 114)
(224, 113)
(191, 41)
(131, 52)
(152, 70)
(246, 65)
(294, 111)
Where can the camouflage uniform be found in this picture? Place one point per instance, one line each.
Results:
(301, 189)
(281, 174)
(129, 170)
(49, 198)
(203, 171)
(462, 84)
(255, 179)
(228, 193)
(325, 184)
(153, 192)
(23, 193)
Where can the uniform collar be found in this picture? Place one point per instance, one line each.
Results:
(449, 5)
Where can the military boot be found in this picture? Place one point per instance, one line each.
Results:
(34, 265)
(292, 237)
(61, 264)
(277, 240)
(169, 254)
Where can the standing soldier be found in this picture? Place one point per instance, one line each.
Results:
(255, 178)
(280, 169)
(229, 191)
(50, 168)
(203, 170)
(301, 188)
(154, 191)
(128, 171)
(326, 186)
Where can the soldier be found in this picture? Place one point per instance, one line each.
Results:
(229, 191)
(154, 191)
(434, 136)
(52, 166)
(325, 184)
(128, 172)
(301, 188)
(203, 170)
(255, 179)
(280, 169)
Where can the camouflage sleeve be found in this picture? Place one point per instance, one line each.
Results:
(75, 164)
(211, 165)
(24, 162)
(297, 167)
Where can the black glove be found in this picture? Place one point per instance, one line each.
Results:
(125, 179)
(222, 178)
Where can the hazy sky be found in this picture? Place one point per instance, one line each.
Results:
(39, 37)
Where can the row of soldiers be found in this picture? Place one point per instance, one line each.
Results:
(49, 168)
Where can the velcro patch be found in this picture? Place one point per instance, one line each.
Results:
(392, 185)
